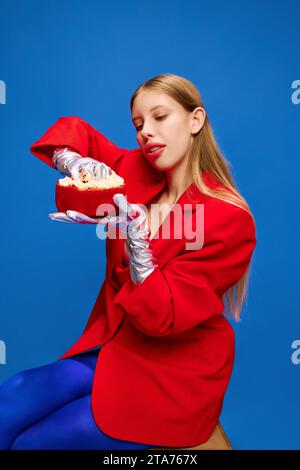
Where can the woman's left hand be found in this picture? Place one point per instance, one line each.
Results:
(74, 217)
(133, 224)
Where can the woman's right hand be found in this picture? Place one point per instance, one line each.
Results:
(84, 168)
(87, 169)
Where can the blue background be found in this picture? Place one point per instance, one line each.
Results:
(86, 58)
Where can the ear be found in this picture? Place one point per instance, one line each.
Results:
(198, 119)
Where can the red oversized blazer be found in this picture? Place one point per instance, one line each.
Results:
(167, 351)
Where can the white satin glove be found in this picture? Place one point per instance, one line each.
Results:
(73, 164)
(133, 224)
(73, 217)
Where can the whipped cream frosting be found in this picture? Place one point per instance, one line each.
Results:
(112, 181)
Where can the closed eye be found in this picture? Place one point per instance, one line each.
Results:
(158, 118)
(161, 117)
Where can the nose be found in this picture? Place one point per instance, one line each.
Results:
(145, 137)
(146, 131)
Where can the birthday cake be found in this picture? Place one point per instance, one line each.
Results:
(88, 196)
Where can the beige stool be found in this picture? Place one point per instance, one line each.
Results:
(217, 441)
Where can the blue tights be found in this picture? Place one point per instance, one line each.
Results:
(49, 408)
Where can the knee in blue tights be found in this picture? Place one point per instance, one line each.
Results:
(71, 427)
(49, 407)
(30, 395)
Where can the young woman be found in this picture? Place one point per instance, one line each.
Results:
(166, 347)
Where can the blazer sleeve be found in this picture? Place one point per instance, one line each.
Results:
(188, 291)
(77, 134)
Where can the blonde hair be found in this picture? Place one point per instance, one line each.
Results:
(205, 155)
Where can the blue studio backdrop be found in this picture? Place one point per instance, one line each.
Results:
(86, 58)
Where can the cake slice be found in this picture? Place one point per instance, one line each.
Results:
(88, 196)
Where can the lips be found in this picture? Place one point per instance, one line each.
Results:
(153, 149)
(155, 153)
(149, 145)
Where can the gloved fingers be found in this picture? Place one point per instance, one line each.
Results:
(109, 220)
(135, 215)
(87, 169)
(81, 218)
(118, 221)
(80, 172)
(125, 208)
(135, 211)
(101, 170)
(79, 169)
(61, 217)
(138, 224)
(121, 201)
(139, 219)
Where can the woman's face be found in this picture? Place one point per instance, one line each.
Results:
(160, 119)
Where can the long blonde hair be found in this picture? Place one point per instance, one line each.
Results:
(205, 155)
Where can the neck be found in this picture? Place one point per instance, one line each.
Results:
(177, 183)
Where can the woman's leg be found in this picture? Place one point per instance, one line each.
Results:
(71, 427)
(30, 395)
